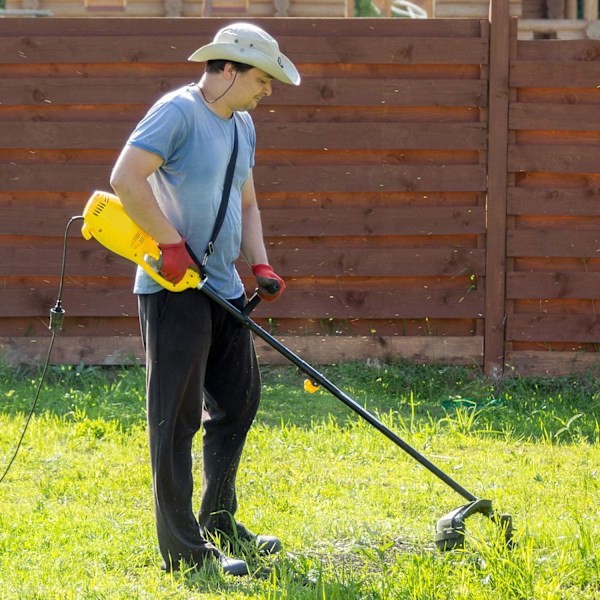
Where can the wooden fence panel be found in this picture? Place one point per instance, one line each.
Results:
(553, 235)
(371, 178)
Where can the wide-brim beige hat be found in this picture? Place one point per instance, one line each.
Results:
(249, 44)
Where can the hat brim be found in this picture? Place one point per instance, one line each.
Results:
(282, 69)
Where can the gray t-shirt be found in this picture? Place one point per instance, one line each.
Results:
(195, 145)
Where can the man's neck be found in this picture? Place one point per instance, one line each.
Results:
(213, 95)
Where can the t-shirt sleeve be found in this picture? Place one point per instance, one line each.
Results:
(159, 131)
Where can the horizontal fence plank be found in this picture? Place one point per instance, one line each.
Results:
(94, 302)
(554, 74)
(390, 49)
(97, 350)
(557, 264)
(280, 27)
(372, 135)
(91, 261)
(372, 221)
(127, 326)
(573, 96)
(72, 203)
(268, 178)
(398, 262)
(554, 202)
(559, 50)
(104, 135)
(117, 350)
(270, 115)
(332, 91)
(556, 242)
(42, 91)
(54, 178)
(349, 304)
(553, 285)
(334, 349)
(94, 260)
(36, 221)
(553, 328)
(556, 158)
(383, 178)
(289, 136)
(529, 363)
(557, 117)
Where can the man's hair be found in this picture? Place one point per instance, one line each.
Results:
(218, 65)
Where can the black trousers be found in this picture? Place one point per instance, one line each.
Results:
(201, 372)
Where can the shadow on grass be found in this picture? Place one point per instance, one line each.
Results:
(561, 409)
(301, 577)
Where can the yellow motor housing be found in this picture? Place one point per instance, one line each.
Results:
(105, 219)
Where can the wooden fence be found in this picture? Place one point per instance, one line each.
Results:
(553, 207)
(400, 229)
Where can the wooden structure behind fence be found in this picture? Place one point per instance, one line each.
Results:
(375, 178)
(549, 19)
(238, 9)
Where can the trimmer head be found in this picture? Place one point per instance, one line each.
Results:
(450, 529)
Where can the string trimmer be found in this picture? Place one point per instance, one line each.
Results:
(105, 219)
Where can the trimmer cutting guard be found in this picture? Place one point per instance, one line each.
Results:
(450, 529)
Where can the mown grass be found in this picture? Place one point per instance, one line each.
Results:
(355, 513)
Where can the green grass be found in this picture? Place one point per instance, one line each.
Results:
(355, 513)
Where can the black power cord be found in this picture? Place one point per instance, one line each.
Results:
(57, 315)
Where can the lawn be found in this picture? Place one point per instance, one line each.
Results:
(355, 513)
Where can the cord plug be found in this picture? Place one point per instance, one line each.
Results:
(57, 315)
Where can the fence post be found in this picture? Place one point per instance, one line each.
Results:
(495, 268)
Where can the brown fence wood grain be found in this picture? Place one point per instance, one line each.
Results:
(288, 136)
(553, 234)
(554, 285)
(429, 192)
(501, 50)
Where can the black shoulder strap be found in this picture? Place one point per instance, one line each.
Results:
(224, 198)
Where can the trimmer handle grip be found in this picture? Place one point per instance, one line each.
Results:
(255, 299)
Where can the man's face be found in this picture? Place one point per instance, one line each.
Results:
(250, 88)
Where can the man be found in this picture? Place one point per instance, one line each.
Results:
(201, 364)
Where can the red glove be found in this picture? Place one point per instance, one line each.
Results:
(175, 261)
(270, 285)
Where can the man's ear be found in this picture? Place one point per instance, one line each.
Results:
(229, 71)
